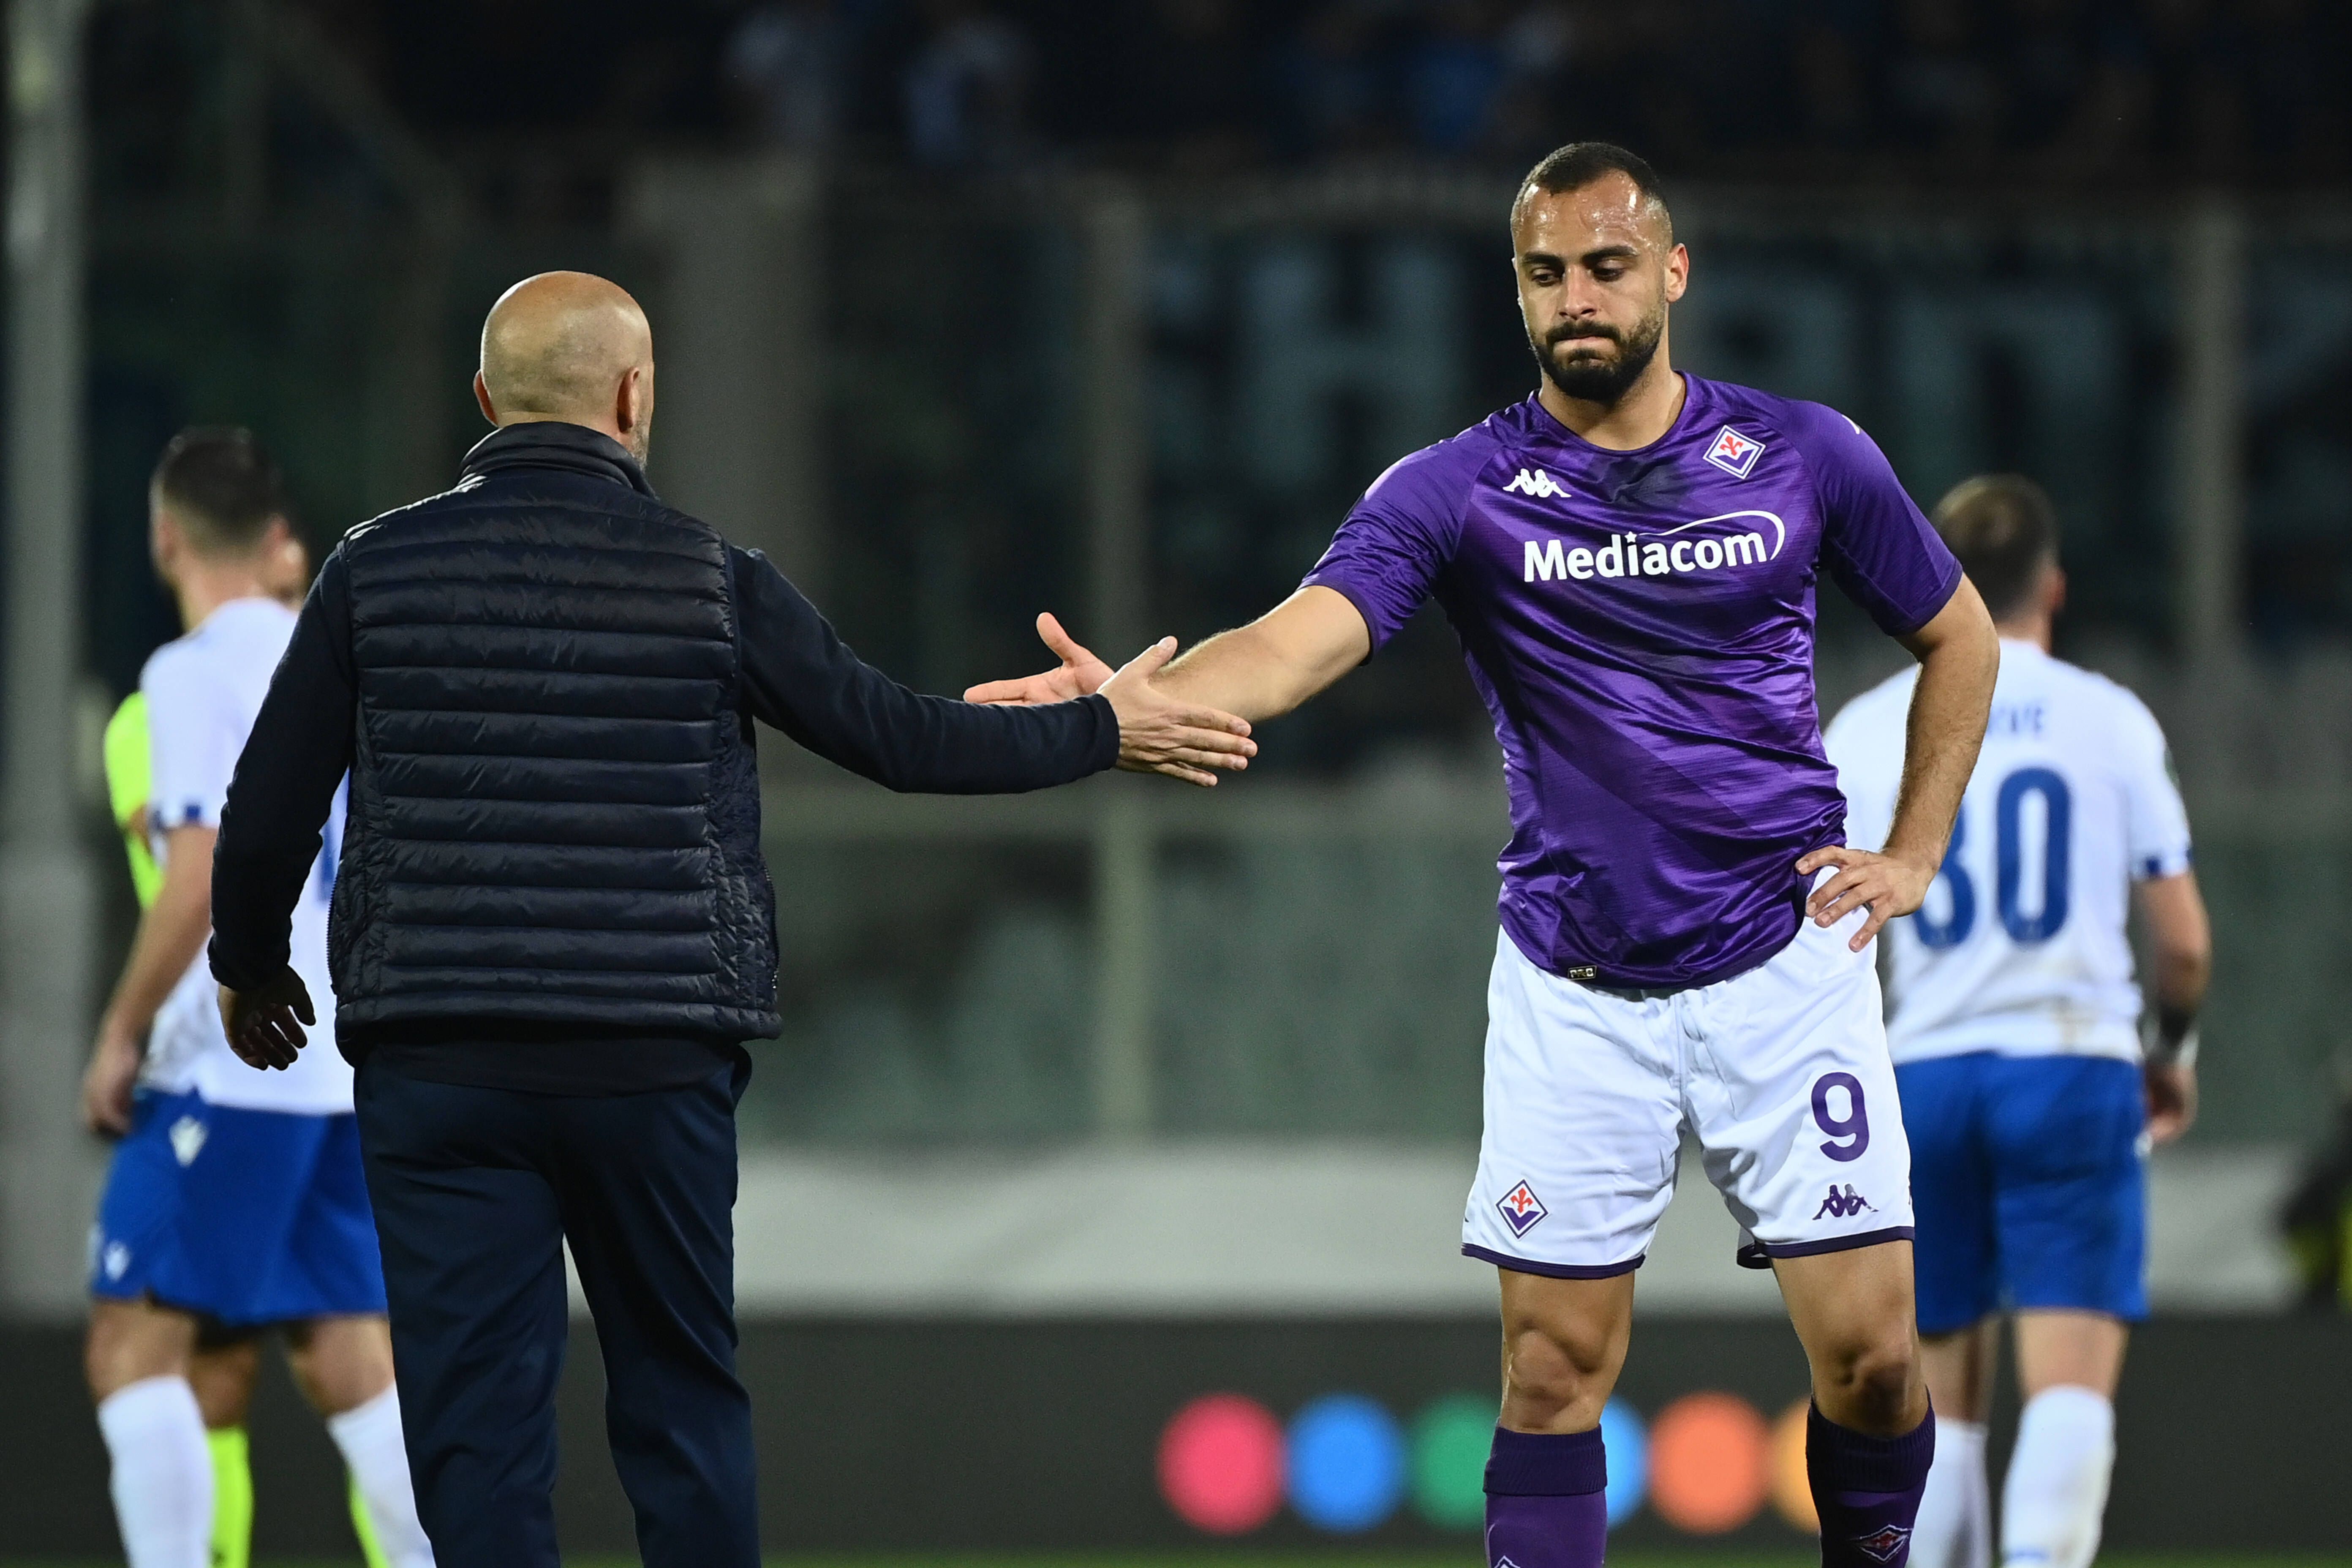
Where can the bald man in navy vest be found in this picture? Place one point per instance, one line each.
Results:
(552, 929)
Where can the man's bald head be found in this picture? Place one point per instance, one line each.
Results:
(570, 346)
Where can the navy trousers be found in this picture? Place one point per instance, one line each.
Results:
(475, 1191)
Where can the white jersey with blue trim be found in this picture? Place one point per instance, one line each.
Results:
(2021, 947)
(204, 692)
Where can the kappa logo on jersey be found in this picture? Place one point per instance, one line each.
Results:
(1733, 453)
(1882, 1543)
(1535, 483)
(1521, 1208)
(116, 1259)
(188, 1136)
(1844, 1204)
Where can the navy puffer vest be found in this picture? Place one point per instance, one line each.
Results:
(554, 802)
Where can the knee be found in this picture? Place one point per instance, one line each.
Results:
(1873, 1383)
(341, 1366)
(1555, 1379)
(123, 1348)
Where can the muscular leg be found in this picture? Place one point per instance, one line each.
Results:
(1563, 1344)
(1955, 1527)
(2068, 1364)
(343, 1367)
(222, 1375)
(137, 1360)
(1854, 1312)
(1870, 1438)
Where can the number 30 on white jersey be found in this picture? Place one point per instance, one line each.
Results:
(2021, 947)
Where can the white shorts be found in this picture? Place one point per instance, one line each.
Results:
(1781, 1074)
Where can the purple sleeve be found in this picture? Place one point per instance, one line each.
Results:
(1387, 556)
(1876, 542)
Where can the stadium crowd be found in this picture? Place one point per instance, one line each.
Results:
(2053, 91)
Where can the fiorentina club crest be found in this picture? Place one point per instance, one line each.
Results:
(1521, 1208)
(1882, 1543)
(1733, 453)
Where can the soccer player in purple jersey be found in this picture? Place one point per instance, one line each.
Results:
(1630, 558)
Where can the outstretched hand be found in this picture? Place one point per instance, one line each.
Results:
(1887, 885)
(1081, 674)
(1162, 735)
(261, 1023)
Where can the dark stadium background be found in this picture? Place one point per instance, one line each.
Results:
(970, 310)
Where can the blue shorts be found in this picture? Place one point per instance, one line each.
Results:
(2027, 1184)
(247, 1218)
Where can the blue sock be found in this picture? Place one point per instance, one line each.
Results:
(1546, 1501)
(1867, 1489)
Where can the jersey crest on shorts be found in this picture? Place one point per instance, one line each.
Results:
(1521, 1208)
(1733, 453)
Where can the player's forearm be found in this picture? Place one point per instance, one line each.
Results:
(1959, 657)
(1265, 669)
(170, 934)
(2181, 939)
(1239, 672)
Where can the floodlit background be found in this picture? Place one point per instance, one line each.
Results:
(1094, 1103)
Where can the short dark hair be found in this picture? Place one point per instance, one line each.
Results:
(2005, 531)
(1577, 165)
(223, 485)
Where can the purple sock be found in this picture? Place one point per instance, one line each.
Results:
(1546, 1501)
(1867, 1489)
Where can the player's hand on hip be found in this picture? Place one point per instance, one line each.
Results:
(265, 1024)
(1887, 885)
(1081, 674)
(1162, 735)
(107, 1083)
(2171, 1100)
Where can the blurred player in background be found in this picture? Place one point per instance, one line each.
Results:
(235, 1202)
(226, 1362)
(2028, 1093)
(1630, 558)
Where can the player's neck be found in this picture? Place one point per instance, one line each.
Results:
(2035, 630)
(205, 586)
(1647, 412)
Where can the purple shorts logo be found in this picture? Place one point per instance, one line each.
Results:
(1843, 1203)
(1521, 1208)
(1882, 1543)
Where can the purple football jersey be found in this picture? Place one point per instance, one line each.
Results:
(1641, 626)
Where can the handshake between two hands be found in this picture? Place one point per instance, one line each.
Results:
(1158, 733)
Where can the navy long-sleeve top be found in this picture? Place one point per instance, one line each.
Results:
(797, 675)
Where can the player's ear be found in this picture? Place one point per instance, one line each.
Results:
(633, 400)
(166, 540)
(1678, 272)
(482, 398)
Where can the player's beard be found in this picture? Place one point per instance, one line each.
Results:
(641, 441)
(1594, 378)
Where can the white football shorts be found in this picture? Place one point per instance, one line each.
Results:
(1781, 1074)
